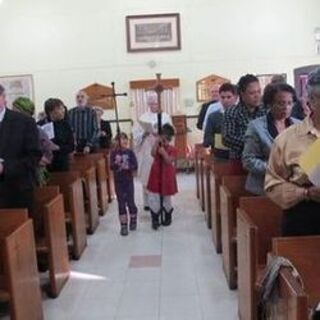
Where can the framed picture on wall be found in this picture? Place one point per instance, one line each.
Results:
(17, 86)
(155, 32)
(265, 79)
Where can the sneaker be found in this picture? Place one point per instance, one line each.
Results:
(124, 230)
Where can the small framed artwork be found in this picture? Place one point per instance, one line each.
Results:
(17, 86)
(155, 32)
(265, 79)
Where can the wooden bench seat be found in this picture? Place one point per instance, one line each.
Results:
(97, 160)
(52, 240)
(258, 221)
(71, 187)
(88, 174)
(295, 301)
(19, 280)
(231, 189)
(198, 148)
(218, 170)
(208, 158)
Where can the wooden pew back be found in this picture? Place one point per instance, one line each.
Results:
(19, 266)
(231, 189)
(49, 204)
(219, 169)
(57, 242)
(304, 253)
(71, 187)
(88, 173)
(258, 220)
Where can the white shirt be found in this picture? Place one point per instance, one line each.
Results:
(213, 107)
(2, 113)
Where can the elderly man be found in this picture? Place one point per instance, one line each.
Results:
(144, 136)
(83, 120)
(214, 92)
(19, 157)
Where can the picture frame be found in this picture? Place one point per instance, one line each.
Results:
(17, 86)
(153, 32)
(265, 79)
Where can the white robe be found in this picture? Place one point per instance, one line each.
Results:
(143, 145)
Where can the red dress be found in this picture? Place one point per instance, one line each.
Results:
(169, 181)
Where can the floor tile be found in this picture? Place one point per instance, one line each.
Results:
(151, 261)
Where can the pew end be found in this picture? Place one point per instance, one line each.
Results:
(231, 189)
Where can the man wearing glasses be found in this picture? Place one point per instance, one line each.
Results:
(83, 120)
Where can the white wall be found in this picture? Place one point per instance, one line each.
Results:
(68, 44)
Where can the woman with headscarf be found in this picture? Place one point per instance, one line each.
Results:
(26, 106)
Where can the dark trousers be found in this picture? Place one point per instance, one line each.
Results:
(125, 197)
(301, 220)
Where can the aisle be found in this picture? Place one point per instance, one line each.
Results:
(171, 274)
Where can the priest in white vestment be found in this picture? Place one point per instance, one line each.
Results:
(145, 132)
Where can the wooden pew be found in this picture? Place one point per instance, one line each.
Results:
(201, 180)
(218, 170)
(19, 280)
(70, 186)
(198, 148)
(51, 242)
(294, 301)
(207, 187)
(258, 221)
(109, 176)
(231, 189)
(88, 174)
(97, 160)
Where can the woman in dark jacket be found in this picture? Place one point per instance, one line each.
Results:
(63, 135)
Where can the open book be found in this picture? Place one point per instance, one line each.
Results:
(148, 126)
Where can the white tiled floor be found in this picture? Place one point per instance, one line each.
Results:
(189, 285)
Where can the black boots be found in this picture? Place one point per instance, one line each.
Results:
(155, 220)
(167, 218)
(124, 230)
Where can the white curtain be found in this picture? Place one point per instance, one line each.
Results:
(169, 102)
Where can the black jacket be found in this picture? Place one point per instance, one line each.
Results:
(63, 137)
(105, 141)
(202, 113)
(20, 151)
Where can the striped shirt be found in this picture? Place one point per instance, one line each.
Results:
(84, 124)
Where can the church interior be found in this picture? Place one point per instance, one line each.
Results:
(171, 211)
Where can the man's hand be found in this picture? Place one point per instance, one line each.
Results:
(86, 150)
(314, 194)
(1, 168)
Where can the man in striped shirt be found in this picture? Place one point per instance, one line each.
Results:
(83, 120)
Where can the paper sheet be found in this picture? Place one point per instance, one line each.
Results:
(310, 163)
(48, 128)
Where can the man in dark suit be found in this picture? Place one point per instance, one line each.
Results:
(19, 156)
(214, 91)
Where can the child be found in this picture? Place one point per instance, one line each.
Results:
(164, 156)
(123, 164)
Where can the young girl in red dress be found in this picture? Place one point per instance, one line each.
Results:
(162, 179)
